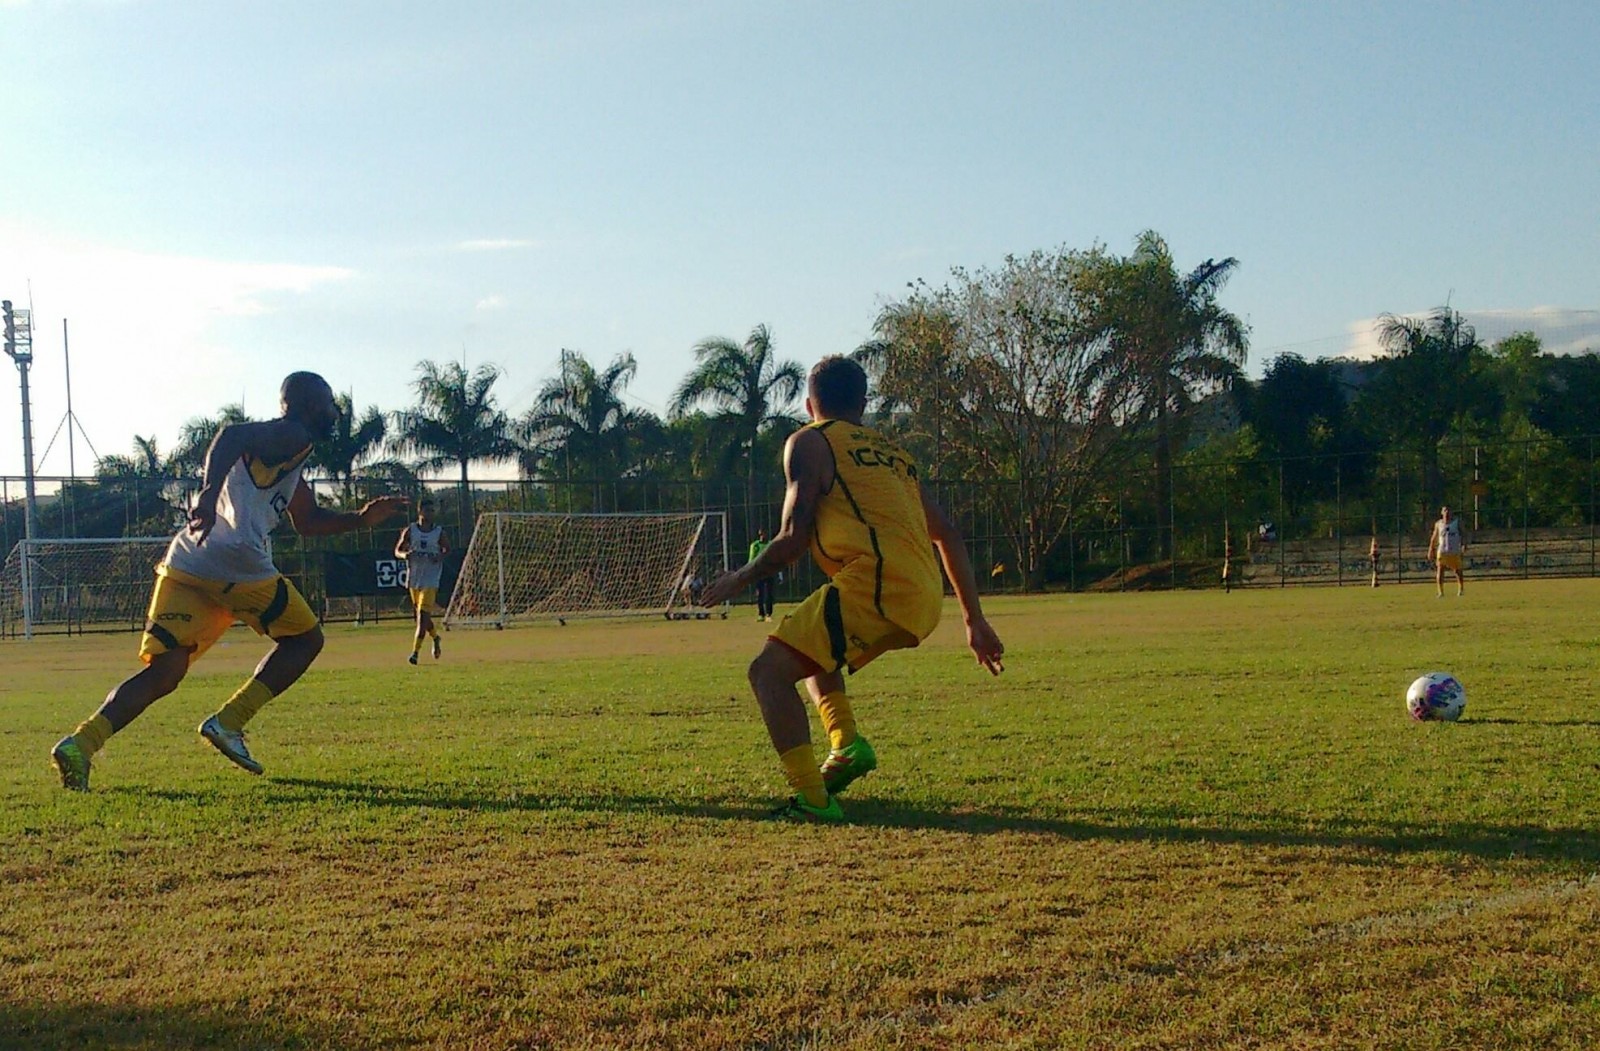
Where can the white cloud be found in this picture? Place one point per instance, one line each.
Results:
(493, 244)
(1561, 330)
(494, 302)
(145, 331)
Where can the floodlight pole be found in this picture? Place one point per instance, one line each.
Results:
(19, 347)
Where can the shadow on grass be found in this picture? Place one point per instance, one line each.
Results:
(1146, 823)
(38, 1027)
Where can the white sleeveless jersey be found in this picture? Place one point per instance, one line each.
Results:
(254, 497)
(1449, 536)
(425, 559)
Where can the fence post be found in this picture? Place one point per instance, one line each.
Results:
(1338, 510)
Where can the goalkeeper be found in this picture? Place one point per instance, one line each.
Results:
(855, 498)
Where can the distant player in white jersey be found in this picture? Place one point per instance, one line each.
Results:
(218, 569)
(1445, 550)
(423, 545)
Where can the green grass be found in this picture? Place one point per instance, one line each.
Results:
(1177, 821)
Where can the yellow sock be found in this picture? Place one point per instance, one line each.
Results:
(838, 718)
(243, 705)
(800, 767)
(416, 646)
(433, 633)
(93, 733)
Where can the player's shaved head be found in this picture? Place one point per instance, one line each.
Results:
(301, 389)
(838, 387)
(306, 396)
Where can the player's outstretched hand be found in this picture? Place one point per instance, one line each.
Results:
(379, 511)
(203, 515)
(986, 645)
(721, 589)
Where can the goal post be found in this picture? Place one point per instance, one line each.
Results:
(68, 585)
(525, 566)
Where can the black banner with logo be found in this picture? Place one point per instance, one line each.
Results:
(347, 574)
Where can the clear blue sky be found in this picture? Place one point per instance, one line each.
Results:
(217, 193)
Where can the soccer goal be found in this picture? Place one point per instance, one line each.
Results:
(525, 566)
(63, 586)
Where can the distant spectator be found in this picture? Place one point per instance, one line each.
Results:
(1445, 549)
(1227, 562)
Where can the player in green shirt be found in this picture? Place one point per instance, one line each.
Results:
(764, 586)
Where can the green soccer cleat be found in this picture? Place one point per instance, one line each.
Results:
(71, 764)
(797, 809)
(230, 744)
(413, 658)
(844, 765)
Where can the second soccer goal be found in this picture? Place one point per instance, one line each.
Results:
(529, 566)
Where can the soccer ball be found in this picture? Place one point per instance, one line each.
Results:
(1437, 695)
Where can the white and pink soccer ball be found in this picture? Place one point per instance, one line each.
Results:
(1436, 697)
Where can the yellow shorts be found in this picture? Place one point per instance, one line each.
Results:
(838, 628)
(188, 611)
(1450, 562)
(423, 598)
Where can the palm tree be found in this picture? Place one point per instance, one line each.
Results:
(134, 484)
(455, 421)
(146, 461)
(1182, 343)
(352, 442)
(750, 385)
(579, 419)
(189, 458)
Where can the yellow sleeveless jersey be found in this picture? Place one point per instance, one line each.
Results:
(871, 533)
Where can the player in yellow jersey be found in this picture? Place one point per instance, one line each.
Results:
(219, 569)
(856, 499)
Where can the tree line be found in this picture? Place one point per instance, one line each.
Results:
(1055, 391)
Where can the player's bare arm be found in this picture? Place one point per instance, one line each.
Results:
(402, 546)
(311, 520)
(808, 468)
(271, 440)
(981, 637)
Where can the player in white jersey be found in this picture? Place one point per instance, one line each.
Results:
(1445, 551)
(423, 545)
(219, 569)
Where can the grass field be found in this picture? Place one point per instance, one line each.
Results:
(1177, 821)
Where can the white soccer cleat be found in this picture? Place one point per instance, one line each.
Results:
(230, 744)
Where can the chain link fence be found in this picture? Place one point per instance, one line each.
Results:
(1528, 509)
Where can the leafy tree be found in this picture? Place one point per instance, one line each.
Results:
(455, 421)
(915, 364)
(1427, 384)
(1299, 412)
(754, 390)
(1517, 369)
(1181, 342)
(1568, 401)
(1022, 384)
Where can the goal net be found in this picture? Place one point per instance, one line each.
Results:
(74, 585)
(523, 566)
